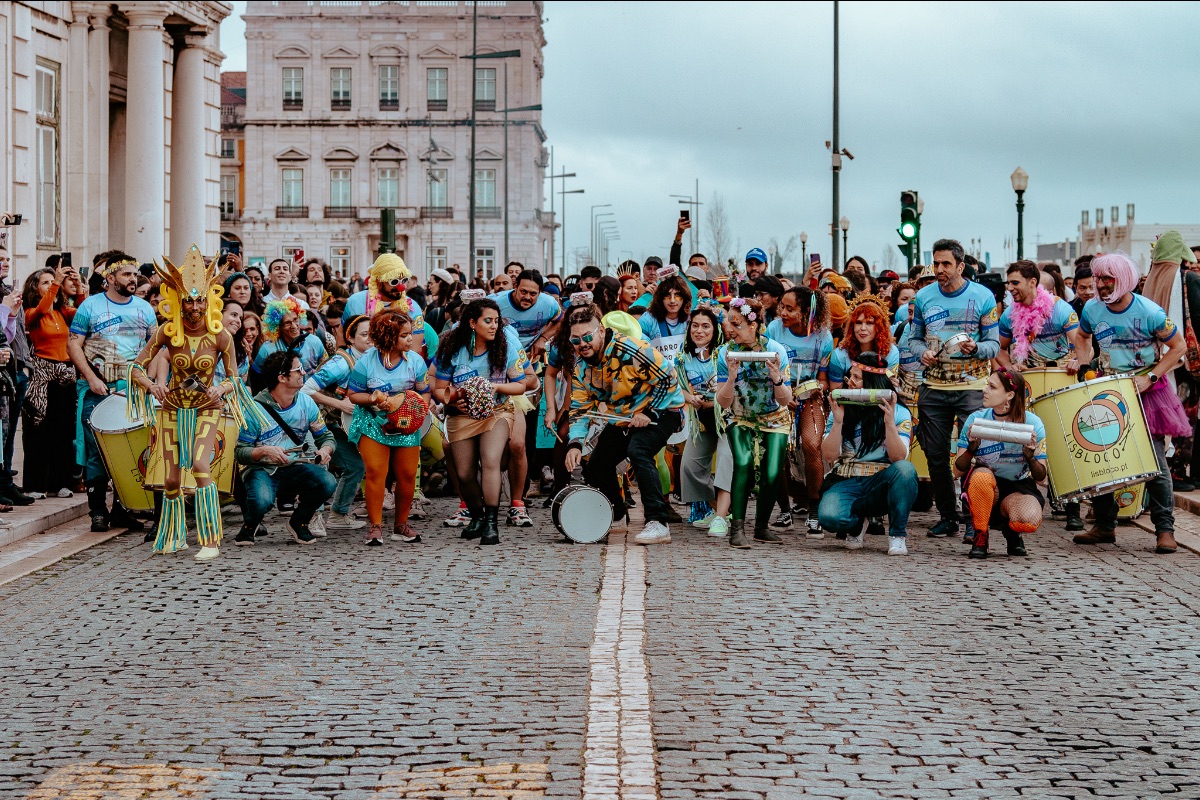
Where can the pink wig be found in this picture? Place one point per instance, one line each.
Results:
(1121, 269)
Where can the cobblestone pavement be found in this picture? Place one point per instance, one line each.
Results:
(446, 670)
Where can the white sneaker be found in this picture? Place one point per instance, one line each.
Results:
(813, 528)
(37, 495)
(854, 542)
(65, 493)
(654, 533)
(316, 526)
(389, 502)
(898, 546)
(207, 554)
(704, 522)
(343, 522)
(719, 527)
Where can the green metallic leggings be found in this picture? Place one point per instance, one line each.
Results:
(774, 460)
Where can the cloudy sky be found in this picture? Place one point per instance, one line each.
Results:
(1098, 102)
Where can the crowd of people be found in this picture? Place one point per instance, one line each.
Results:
(831, 397)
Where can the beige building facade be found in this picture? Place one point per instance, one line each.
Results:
(1107, 233)
(355, 107)
(111, 125)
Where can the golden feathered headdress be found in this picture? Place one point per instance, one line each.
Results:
(194, 280)
(874, 299)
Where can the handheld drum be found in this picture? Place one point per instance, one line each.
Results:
(861, 397)
(581, 513)
(994, 430)
(408, 416)
(953, 345)
(479, 397)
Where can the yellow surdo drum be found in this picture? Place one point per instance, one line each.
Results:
(1043, 381)
(223, 465)
(1131, 501)
(123, 444)
(1096, 438)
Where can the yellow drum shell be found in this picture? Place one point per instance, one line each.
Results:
(1042, 381)
(1130, 501)
(805, 389)
(123, 443)
(1096, 438)
(223, 464)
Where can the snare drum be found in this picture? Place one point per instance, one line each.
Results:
(1096, 438)
(581, 513)
(123, 444)
(1041, 382)
(222, 468)
(681, 435)
(953, 345)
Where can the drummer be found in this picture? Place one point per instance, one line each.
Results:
(1000, 478)
(1132, 333)
(955, 372)
(866, 329)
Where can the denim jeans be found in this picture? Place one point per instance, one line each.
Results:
(1160, 491)
(311, 482)
(937, 411)
(348, 465)
(93, 464)
(892, 491)
(639, 445)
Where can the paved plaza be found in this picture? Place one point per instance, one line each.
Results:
(544, 669)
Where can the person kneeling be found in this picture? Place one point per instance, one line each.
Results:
(1000, 478)
(871, 475)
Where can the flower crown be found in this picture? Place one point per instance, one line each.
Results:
(739, 304)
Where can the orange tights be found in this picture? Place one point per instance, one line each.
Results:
(403, 463)
(1023, 512)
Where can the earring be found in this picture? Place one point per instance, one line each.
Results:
(472, 353)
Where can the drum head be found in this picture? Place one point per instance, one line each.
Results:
(582, 514)
(109, 416)
(426, 425)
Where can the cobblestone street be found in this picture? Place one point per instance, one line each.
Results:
(446, 670)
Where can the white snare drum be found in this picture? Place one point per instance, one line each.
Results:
(953, 345)
(581, 513)
(425, 426)
(681, 435)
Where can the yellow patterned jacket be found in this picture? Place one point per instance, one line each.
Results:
(631, 377)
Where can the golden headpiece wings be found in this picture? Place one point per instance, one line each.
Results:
(193, 279)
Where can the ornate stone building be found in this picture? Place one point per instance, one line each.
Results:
(111, 122)
(353, 107)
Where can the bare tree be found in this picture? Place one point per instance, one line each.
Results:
(716, 221)
(782, 252)
(889, 257)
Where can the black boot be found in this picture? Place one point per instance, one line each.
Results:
(979, 548)
(1016, 545)
(491, 527)
(1074, 521)
(765, 534)
(475, 527)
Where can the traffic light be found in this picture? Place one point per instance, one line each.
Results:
(910, 225)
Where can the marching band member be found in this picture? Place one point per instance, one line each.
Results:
(697, 367)
(1000, 478)
(867, 330)
(803, 330)
(756, 395)
(955, 371)
(478, 436)
(868, 448)
(190, 415)
(387, 280)
(282, 332)
(665, 323)
(379, 383)
(1130, 330)
(639, 386)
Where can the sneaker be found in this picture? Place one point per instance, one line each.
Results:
(897, 546)
(813, 528)
(65, 493)
(207, 554)
(674, 499)
(798, 509)
(944, 528)
(654, 533)
(345, 522)
(1075, 523)
(461, 519)
(286, 509)
(317, 526)
(13, 497)
(417, 511)
(389, 502)
(854, 542)
(783, 522)
(99, 523)
(375, 536)
(244, 538)
(719, 527)
(519, 517)
(301, 533)
(705, 522)
(42, 495)
(405, 533)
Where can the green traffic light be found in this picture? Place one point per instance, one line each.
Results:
(908, 230)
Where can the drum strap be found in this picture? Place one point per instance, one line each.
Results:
(291, 434)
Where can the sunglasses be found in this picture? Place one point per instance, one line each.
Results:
(395, 281)
(587, 338)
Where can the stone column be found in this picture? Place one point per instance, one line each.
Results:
(97, 132)
(188, 123)
(78, 153)
(145, 145)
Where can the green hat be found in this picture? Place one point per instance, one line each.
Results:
(1170, 247)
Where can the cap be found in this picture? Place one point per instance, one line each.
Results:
(757, 254)
(550, 288)
(888, 275)
(655, 260)
(769, 284)
(442, 275)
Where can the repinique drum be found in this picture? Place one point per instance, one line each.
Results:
(1044, 380)
(1096, 438)
(222, 468)
(680, 436)
(581, 513)
(953, 345)
(123, 445)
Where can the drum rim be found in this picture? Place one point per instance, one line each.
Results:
(1092, 382)
(1108, 488)
(556, 506)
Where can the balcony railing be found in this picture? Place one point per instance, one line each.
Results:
(437, 212)
(487, 212)
(283, 212)
(230, 216)
(340, 103)
(438, 105)
(341, 212)
(388, 105)
(293, 105)
(485, 105)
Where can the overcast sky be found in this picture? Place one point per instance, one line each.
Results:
(1099, 103)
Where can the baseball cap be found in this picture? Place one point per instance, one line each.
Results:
(655, 260)
(756, 254)
(888, 275)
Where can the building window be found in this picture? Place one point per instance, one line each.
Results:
(389, 87)
(228, 198)
(389, 187)
(437, 82)
(46, 100)
(339, 87)
(293, 194)
(485, 260)
(293, 88)
(485, 89)
(340, 204)
(485, 194)
(339, 261)
(438, 188)
(435, 258)
(227, 148)
(294, 254)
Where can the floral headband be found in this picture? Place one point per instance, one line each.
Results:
(739, 304)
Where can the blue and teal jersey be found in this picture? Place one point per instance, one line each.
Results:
(1005, 459)
(1051, 342)
(808, 356)
(311, 352)
(301, 416)
(528, 322)
(852, 440)
(971, 310)
(1129, 339)
(660, 329)
(700, 373)
(127, 326)
(840, 363)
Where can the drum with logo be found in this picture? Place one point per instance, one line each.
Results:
(1041, 382)
(222, 468)
(1096, 438)
(581, 513)
(1131, 501)
(123, 444)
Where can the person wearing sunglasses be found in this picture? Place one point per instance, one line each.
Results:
(639, 386)
(386, 285)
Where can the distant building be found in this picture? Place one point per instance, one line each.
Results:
(109, 128)
(1133, 238)
(233, 156)
(353, 107)
(1061, 253)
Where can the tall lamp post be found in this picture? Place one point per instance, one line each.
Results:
(1020, 182)
(564, 193)
(603, 230)
(694, 202)
(598, 226)
(564, 175)
(609, 236)
(592, 230)
(803, 253)
(844, 224)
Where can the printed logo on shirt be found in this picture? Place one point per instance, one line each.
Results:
(935, 318)
(1104, 333)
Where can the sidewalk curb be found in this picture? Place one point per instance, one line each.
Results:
(41, 516)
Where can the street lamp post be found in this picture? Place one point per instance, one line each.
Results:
(564, 193)
(1020, 182)
(609, 236)
(694, 202)
(803, 253)
(592, 229)
(564, 175)
(597, 226)
(844, 224)
(601, 231)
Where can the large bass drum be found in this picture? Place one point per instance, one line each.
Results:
(581, 513)
(124, 444)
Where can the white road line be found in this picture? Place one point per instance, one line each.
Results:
(619, 747)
